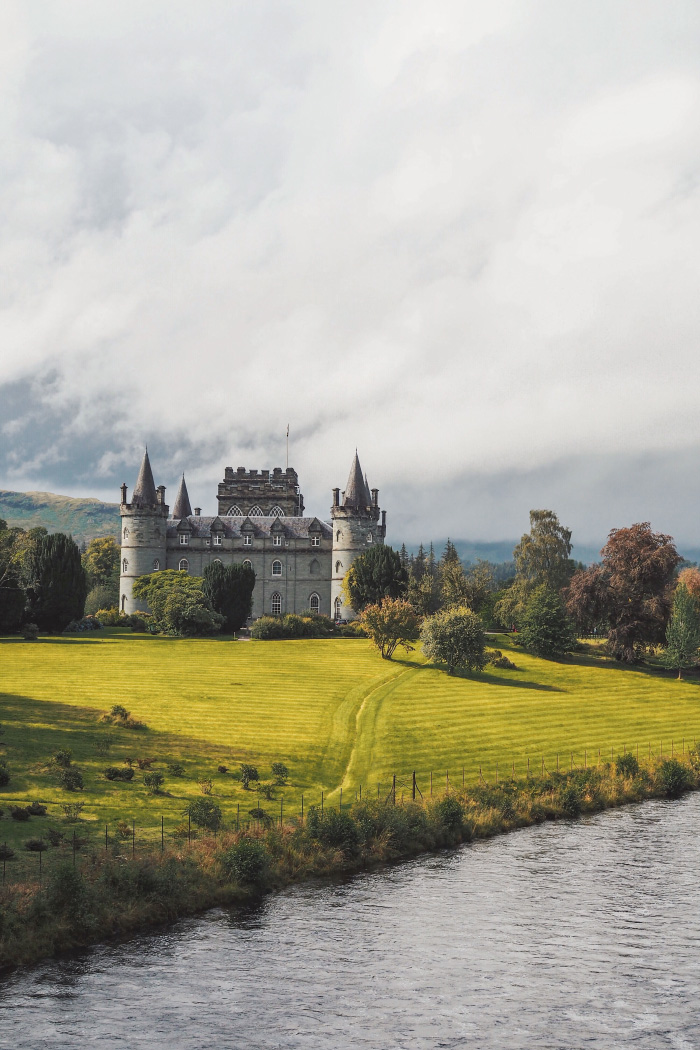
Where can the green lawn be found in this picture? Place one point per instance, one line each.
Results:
(332, 711)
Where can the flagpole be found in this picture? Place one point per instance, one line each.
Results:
(287, 446)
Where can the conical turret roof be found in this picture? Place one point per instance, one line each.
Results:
(356, 494)
(182, 508)
(144, 494)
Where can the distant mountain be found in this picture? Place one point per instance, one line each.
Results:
(83, 519)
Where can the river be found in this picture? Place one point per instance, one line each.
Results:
(569, 935)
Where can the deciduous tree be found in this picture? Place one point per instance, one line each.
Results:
(546, 628)
(683, 631)
(455, 637)
(391, 623)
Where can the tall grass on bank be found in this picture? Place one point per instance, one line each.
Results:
(110, 893)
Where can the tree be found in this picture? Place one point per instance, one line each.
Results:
(423, 593)
(630, 591)
(56, 582)
(479, 585)
(455, 637)
(229, 588)
(101, 564)
(546, 628)
(541, 559)
(683, 631)
(177, 603)
(389, 624)
(375, 575)
(453, 583)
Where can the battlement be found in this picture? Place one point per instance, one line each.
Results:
(263, 492)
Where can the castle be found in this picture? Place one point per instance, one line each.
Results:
(299, 562)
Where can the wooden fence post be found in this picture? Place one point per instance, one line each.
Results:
(413, 786)
(162, 833)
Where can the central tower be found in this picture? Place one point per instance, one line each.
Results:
(355, 520)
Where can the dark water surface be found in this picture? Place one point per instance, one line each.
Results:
(566, 935)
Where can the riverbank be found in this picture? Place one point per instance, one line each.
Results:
(108, 893)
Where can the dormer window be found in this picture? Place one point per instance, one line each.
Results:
(277, 541)
(315, 541)
(218, 539)
(247, 541)
(184, 539)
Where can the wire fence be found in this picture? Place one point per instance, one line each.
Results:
(82, 841)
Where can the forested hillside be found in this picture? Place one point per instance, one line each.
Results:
(82, 518)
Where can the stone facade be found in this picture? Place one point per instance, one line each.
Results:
(299, 562)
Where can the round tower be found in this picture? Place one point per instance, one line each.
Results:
(356, 527)
(144, 534)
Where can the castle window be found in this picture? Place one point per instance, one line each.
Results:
(277, 541)
(255, 512)
(248, 564)
(337, 536)
(369, 538)
(234, 512)
(184, 565)
(218, 539)
(156, 565)
(315, 541)
(125, 565)
(218, 561)
(277, 568)
(314, 604)
(338, 566)
(276, 512)
(184, 539)
(123, 602)
(276, 604)
(247, 540)
(338, 607)
(126, 533)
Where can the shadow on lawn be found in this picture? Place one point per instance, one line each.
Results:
(480, 678)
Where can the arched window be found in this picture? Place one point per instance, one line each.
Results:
(276, 604)
(337, 536)
(255, 512)
(315, 567)
(338, 608)
(218, 561)
(184, 565)
(314, 604)
(276, 512)
(126, 533)
(248, 563)
(125, 565)
(234, 512)
(156, 565)
(277, 568)
(123, 602)
(338, 566)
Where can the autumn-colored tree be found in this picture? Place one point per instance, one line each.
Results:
(690, 578)
(390, 623)
(630, 590)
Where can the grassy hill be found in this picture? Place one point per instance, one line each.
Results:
(332, 711)
(83, 519)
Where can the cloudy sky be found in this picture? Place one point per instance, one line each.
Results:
(461, 236)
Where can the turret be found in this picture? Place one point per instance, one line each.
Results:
(356, 527)
(144, 531)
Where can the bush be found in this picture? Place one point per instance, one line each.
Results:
(36, 809)
(454, 637)
(246, 862)
(334, 829)
(626, 765)
(6, 853)
(145, 762)
(63, 758)
(674, 778)
(19, 813)
(36, 845)
(138, 623)
(248, 775)
(4, 775)
(291, 625)
(222, 769)
(72, 811)
(570, 800)
(88, 623)
(154, 781)
(175, 769)
(205, 813)
(279, 772)
(496, 658)
(71, 779)
(109, 617)
(124, 829)
(205, 786)
(119, 773)
(30, 632)
(267, 791)
(451, 813)
(55, 836)
(119, 711)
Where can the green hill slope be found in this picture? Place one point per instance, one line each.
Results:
(82, 518)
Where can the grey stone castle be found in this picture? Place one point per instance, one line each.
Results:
(299, 562)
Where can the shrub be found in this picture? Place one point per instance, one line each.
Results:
(246, 862)
(267, 791)
(279, 772)
(88, 623)
(291, 625)
(63, 758)
(627, 765)
(454, 637)
(496, 658)
(248, 775)
(145, 763)
(451, 813)
(205, 813)
(124, 829)
(19, 813)
(154, 781)
(205, 786)
(109, 617)
(6, 853)
(72, 811)
(103, 745)
(119, 711)
(334, 829)
(67, 890)
(30, 632)
(55, 836)
(36, 845)
(222, 769)
(4, 775)
(570, 800)
(71, 779)
(36, 809)
(138, 623)
(674, 778)
(119, 773)
(175, 769)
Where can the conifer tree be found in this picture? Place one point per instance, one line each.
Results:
(57, 584)
(229, 588)
(683, 631)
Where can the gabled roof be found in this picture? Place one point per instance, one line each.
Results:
(182, 508)
(233, 527)
(144, 494)
(356, 493)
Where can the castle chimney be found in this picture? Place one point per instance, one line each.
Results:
(123, 493)
(336, 497)
(161, 495)
(197, 511)
(375, 497)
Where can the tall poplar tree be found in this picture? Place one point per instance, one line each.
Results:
(683, 631)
